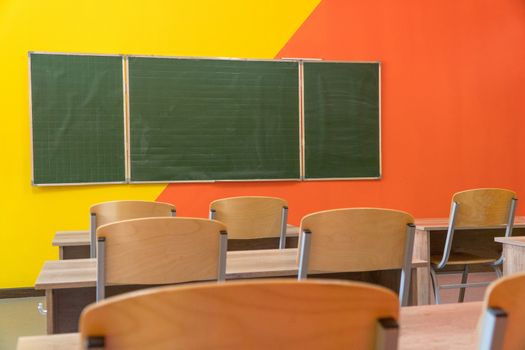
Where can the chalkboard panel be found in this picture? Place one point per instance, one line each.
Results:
(341, 120)
(77, 119)
(202, 119)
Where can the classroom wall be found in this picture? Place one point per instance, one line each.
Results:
(29, 216)
(451, 99)
(453, 103)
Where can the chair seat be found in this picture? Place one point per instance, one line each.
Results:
(462, 259)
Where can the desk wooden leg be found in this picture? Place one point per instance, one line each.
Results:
(74, 252)
(514, 259)
(49, 315)
(413, 294)
(65, 305)
(422, 252)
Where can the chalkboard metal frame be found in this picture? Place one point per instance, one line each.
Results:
(300, 97)
(127, 114)
(124, 115)
(304, 178)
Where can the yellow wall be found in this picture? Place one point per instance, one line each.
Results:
(29, 216)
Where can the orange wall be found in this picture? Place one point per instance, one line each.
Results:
(453, 104)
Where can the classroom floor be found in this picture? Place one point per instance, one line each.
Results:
(471, 294)
(19, 316)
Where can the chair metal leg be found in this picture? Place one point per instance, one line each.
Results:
(464, 279)
(435, 286)
(497, 270)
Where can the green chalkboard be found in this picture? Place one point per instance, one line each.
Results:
(341, 120)
(204, 119)
(77, 119)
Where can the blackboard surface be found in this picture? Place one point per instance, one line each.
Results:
(77, 119)
(341, 120)
(198, 119)
(194, 119)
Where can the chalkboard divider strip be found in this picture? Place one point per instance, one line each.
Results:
(79, 183)
(31, 121)
(213, 181)
(209, 58)
(74, 54)
(300, 59)
(341, 178)
(301, 120)
(126, 104)
(379, 107)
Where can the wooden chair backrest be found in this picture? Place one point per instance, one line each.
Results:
(251, 216)
(356, 239)
(161, 250)
(108, 212)
(508, 294)
(282, 314)
(483, 207)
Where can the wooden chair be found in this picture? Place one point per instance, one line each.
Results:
(358, 239)
(160, 251)
(504, 316)
(477, 208)
(252, 217)
(108, 212)
(270, 314)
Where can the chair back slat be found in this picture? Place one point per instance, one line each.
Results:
(356, 239)
(250, 216)
(483, 207)
(278, 314)
(161, 250)
(108, 212)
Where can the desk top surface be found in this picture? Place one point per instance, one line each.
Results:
(433, 327)
(437, 327)
(66, 341)
(81, 237)
(78, 273)
(71, 238)
(516, 241)
(440, 224)
(78, 238)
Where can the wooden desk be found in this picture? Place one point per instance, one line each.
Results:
(440, 327)
(514, 254)
(435, 327)
(423, 245)
(430, 239)
(75, 244)
(70, 284)
(72, 244)
(67, 341)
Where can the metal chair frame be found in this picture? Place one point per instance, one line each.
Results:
(493, 329)
(438, 269)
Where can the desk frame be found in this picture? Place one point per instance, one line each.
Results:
(70, 284)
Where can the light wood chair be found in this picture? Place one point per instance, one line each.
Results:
(108, 212)
(504, 316)
(251, 217)
(270, 314)
(358, 239)
(476, 208)
(154, 251)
